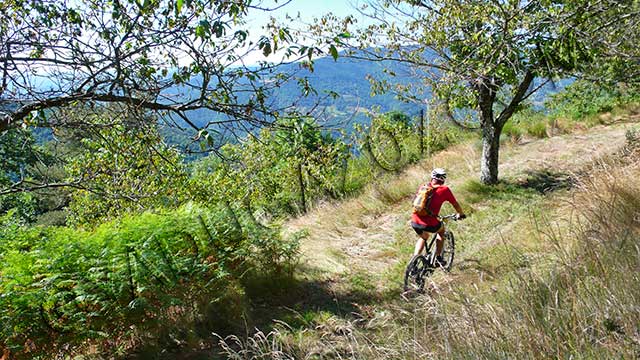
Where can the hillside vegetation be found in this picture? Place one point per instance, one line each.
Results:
(546, 263)
(165, 195)
(183, 278)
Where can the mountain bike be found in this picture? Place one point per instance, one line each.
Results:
(422, 266)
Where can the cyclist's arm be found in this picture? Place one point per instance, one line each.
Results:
(458, 208)
(456, 205)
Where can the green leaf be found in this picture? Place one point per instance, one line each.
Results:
(265, 45)
(200, 31)
(178, 6)
(218, 28)
(241, 35)
(203, 29)
(334, 52)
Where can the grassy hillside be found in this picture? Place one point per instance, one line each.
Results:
(528, 266)
(546, 264)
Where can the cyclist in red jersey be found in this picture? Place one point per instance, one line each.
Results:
(424, 225)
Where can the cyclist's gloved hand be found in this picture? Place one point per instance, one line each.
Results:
(461, 216)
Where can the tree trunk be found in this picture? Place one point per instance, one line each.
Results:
(490, 132)
(302, 189)
(421, 133)
(490, 152)
(492, 127)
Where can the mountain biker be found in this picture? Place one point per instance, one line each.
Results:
(424, 225)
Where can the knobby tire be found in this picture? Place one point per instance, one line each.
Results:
(416, 273)
(448, 250)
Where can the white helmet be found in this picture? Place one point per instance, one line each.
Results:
(439, 174)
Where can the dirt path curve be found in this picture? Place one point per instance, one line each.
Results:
(356, 235)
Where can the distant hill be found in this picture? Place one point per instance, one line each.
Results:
(344, 76)
(348, 78)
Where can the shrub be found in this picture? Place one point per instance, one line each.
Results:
(513, 131)
(537, 129)
(582, 100)
(144, 273)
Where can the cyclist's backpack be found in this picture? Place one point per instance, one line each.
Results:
(422, 200)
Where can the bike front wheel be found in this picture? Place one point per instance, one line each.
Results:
(448, 250)
(416, 273)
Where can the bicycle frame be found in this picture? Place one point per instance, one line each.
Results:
(428, 248)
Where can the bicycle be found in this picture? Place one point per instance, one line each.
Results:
(422, 266)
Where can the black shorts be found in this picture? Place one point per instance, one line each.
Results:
(419, 229)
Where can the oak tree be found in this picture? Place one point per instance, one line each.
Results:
(487, 56)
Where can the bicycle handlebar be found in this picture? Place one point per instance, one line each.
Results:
(453, 217)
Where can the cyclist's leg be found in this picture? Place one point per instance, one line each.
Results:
(423, 236)
(440, 240)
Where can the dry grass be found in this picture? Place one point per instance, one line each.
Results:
(524, 284)
(363, 227)
(369, 234)
(586, 304)
(368, 224)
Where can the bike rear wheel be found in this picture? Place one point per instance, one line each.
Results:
(416, 273)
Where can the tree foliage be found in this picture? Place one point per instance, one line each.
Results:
(166, 56)
(121, 169)
(105, 166)
(614, 35)
(278, 172)
(481, 55)
(24, 164)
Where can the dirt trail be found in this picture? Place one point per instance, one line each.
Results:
(356, 236)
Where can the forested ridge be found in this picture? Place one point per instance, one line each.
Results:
(161, 198)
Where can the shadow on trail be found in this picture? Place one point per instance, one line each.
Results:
(546, 181)
(297, 301)
(534, 182)
(269, 303)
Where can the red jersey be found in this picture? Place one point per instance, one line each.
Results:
(441, 194)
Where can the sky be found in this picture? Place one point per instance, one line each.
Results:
(310, 8)
(307, 9)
